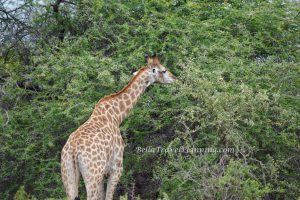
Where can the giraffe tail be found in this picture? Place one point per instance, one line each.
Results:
(70, 175)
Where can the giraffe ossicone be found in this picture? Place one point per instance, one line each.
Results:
(95, 149)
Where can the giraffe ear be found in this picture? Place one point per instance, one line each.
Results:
(134, 73)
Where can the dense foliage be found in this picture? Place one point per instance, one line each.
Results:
(238, 68)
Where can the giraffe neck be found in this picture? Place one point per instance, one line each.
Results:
(118, 105)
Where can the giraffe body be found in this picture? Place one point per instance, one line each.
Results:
(95, 149)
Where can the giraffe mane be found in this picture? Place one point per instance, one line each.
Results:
(108, 97)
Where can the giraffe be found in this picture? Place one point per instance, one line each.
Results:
(95, 149)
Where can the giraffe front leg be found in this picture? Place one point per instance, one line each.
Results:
(113, 180)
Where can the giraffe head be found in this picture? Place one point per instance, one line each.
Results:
(157, 72)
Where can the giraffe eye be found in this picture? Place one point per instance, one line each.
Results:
(153, 70)
(164, 71)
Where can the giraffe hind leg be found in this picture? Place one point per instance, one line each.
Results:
(93, 180)
(70, 176)
(112, 183)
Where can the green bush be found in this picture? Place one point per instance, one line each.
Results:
(237, 64)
